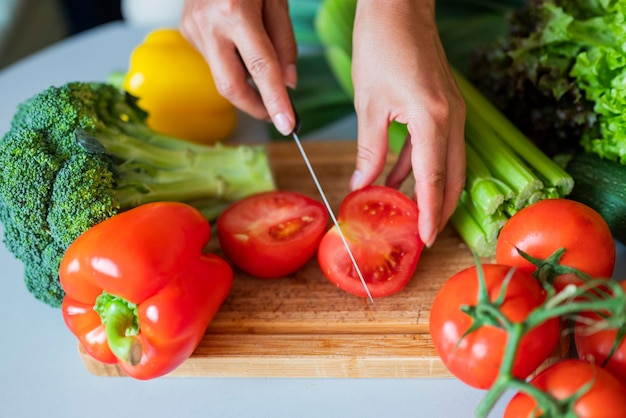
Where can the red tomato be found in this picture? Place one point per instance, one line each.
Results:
(543, 227)
(595, 346)
(606, 397)
(476, 357)
(272, 234)
(380, 225)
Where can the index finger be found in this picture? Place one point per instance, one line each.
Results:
(261, 60)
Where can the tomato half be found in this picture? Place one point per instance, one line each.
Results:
(380, 226)
(272, 234)
(476, 357)
(543, 227)
(596, 345)
(605, 398)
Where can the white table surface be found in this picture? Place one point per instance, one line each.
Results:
(41, 373)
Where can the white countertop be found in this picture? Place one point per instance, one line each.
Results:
(41, 373)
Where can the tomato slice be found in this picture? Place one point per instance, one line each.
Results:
(380, 226)
(272, 234)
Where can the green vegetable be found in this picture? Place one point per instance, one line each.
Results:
(601, 184)
(505, 171)
(78, 154)
(559, 75)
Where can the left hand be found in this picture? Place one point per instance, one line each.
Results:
(400, 72)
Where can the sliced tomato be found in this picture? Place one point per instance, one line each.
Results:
(380, 226)
(272, 234)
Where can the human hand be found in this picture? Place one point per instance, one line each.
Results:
(400, 72)
(247, 39)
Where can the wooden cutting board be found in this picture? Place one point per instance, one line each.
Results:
(303, 326)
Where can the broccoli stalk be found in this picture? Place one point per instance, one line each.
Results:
(80, 153)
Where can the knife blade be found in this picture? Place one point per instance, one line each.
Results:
(296, 138)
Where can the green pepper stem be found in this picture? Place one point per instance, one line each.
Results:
(121, 325)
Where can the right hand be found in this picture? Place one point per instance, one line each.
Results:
(243, 39)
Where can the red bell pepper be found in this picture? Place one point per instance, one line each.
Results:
(140, 292)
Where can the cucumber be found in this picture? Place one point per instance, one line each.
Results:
(601, 184)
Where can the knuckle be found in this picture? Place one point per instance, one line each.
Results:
(258, 66)
(227, 88)
(231, 8)
(435, 179)
(366, 155)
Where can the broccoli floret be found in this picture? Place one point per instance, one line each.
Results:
(79, 153)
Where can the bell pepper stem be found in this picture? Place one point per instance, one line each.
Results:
(121, 325)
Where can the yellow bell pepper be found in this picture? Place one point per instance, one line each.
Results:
(175, 86)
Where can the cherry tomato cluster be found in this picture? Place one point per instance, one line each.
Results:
(274, 234)
(496, 323)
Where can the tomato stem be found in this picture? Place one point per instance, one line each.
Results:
(505, 377)
(548, 269)
(596, 295)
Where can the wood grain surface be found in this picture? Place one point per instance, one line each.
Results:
(303, 326)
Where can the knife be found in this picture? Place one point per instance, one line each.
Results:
(296, 138)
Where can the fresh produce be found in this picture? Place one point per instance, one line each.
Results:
(582, 389)
(505, 173)
(174, 84)
(599, 183)
(558, 75)
(505, 170)
(80, 153)
(140, 291)
(470, 317)
(380, 226)
(464, 312)
(600, 339)
(272, 234)
(560, 234)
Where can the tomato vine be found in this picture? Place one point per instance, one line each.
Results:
(593, 295)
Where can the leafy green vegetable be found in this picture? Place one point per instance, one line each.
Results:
(78, 154)
(559, 75)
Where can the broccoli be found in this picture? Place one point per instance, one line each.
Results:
(79, 153)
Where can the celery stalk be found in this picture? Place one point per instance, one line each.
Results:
(478, 229)
(500, 159)
(486, 113)
(494, 145)
(481, 184)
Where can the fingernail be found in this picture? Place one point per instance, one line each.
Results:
(430, 240)
(282, 124)
(355, 181)
(291, 76)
